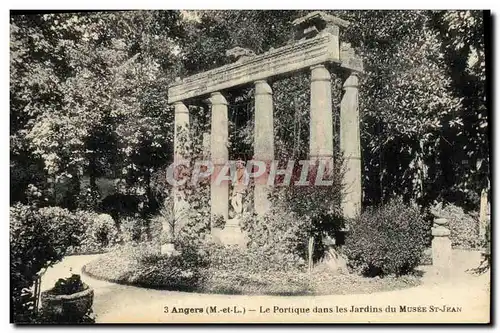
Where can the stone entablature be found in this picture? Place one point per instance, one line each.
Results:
(321, 49)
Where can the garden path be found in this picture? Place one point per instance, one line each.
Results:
(119, 304)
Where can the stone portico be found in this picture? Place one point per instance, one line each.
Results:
(316, 48)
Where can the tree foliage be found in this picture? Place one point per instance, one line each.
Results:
(39, 238)
(87, 94)
(88, 98)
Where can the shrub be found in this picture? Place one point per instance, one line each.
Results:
(187, 225)
(157, 224)
(103, 230)
(317, 207)
(250, 261)
(218, 221)
(44, 318)
(276, 240)
(39, 238)
(194, 230)
(464, 227)
(169, 222)
(88, 198)
(173, 273)
(134, 230)
(388, 239)
(100, 235)
(162, 226)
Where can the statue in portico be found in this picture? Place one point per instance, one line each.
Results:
(240, 184)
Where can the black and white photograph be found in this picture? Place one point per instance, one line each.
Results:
(250, 166)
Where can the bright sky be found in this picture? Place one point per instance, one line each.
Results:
(190, 15)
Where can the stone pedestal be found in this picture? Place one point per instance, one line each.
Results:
(321, 119)
(350, 147)
(263, 142)
(219, 193)
(441, 248)
(483, 212)
(231, 234)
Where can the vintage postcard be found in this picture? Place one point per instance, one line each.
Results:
(250, 166)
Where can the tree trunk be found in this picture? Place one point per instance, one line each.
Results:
(73, 192)
(93, 174)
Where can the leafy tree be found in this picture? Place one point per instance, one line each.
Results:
(405, 99)
(88, 96)
(88, 93)
(463, 38)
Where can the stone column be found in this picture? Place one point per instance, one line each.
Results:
(219, 194)
(441, 247)
(182, 144)
(263, 142)
(350, 146)
(321, 122)
(181, 132)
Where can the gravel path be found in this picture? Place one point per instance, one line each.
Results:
(460, 298)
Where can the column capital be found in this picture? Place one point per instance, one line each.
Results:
(352, 81)
(180, 107)
(216, 98)
(320, 73)
(263, 88)
(318, 66)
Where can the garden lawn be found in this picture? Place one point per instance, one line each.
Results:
(128, 266)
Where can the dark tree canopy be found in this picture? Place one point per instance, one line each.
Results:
(89, 98)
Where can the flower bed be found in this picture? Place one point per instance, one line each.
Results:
(140, 266)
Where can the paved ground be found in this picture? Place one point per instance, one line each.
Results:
(460, 297)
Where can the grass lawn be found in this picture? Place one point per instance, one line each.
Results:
(126, 266)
